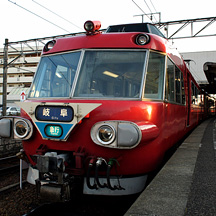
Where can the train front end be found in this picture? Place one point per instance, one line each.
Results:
(92, 115)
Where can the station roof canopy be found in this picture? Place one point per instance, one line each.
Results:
(210, 72)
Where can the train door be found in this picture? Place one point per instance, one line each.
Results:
(188, 100)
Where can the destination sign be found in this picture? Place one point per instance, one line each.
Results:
(54, 113)
(53, 130)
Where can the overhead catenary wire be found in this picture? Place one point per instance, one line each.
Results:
(56, 14)
(138, 6)
(141, 9)
(153, 6)
(38, 15)
(147, 6)
(145, 14)
(150, 10)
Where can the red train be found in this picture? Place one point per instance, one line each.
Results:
(103, 109)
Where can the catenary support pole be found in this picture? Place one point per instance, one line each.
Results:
(5, 68)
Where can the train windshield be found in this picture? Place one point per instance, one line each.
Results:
(55, 76)
(113, 74)
(101, 74)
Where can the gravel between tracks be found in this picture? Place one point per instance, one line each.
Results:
(16, 202)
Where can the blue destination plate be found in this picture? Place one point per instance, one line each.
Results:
(54, 113)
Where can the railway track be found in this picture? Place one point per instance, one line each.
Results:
(8, 164)
(86, 205)
(11, 186)
(9, 173)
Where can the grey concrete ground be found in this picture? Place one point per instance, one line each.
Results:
(202, 197)
(186, 184)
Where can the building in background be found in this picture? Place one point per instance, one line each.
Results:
(19, 75)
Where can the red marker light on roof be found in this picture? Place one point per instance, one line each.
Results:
(92, 27)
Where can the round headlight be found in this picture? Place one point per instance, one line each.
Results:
(49, 45)
(89, 26)
(92, 27)
(106, 134)
(21, 129)
(142, 39)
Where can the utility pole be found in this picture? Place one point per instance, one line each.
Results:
(5, 68)
(150, 16)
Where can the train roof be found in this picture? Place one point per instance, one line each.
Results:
(122, 36)
(135, 27)
(116, 36)
(123, 40)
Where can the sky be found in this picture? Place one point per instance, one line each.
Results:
(19, 24)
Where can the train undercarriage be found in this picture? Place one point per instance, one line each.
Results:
(58, 175)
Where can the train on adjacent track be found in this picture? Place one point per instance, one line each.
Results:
(103, 109)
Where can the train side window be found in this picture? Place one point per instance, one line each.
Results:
(182, 89)
(155, 30)
(200, 99)
(178, 85)
(170, 87)
(155, 76)
(195, 95)
(174, 91)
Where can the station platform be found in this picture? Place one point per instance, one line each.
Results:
(186, 185)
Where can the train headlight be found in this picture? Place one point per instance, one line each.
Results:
(16, 128)
(88, 26)
(92, 27)
(22, 129)
(49, 45)
(116, 134)
(106, 134)
(142, 39)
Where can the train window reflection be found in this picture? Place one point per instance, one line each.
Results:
(112, 74)
(170, 85)
(174, 91)
(55, 75)
(178, 85)
(195, 95)
(155, 76)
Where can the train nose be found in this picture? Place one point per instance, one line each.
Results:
(56, 120)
